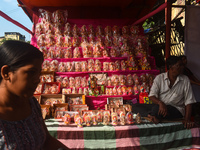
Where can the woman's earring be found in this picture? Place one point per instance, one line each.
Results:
(6, 76)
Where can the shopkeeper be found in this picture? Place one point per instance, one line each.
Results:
(172, 93)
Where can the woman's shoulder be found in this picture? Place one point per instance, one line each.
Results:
(34, 102)
(36, 108)
(15, 130)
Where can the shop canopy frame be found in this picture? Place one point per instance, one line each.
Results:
(93, 9)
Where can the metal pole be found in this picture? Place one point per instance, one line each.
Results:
(168, 28)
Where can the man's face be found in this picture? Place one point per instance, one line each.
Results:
(178, 67)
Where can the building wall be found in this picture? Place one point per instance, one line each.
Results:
(179, 11)
(14, 35)
(192, 46)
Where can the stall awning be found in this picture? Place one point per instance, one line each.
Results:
(92, 9)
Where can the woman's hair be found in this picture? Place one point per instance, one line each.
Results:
(172, 60)
(17, 54)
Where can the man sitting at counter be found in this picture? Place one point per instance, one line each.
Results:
(172, 93)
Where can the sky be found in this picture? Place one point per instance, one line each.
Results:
(10, 7)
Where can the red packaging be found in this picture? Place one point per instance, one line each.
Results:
(144, 99)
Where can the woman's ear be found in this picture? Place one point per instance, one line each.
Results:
(5, 72)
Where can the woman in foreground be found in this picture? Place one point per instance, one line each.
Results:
(21, 123)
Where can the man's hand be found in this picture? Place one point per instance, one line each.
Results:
(162, 109)
(188, 112)
(188, 124)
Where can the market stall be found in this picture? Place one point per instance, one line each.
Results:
(109, 55)
(97, 62)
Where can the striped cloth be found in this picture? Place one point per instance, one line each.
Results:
(146, 136)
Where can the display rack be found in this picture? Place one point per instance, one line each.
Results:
(52, 36)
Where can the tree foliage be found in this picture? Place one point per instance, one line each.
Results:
(4, 39)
